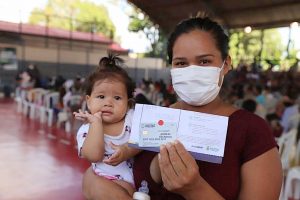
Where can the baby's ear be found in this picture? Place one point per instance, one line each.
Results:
(131, 103)
(87, 97)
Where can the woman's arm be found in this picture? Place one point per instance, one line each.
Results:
(262, 177)
(155, 170)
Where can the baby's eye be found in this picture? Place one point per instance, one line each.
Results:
(100, 96)
(117, 98)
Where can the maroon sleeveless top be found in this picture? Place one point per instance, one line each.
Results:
(248, 136)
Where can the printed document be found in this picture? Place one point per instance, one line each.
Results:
(202, 134)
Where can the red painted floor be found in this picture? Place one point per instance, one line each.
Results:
(34, 162)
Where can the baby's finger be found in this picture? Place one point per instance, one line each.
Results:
(80, 118)
(111, 161)
(106, 161)
(78, 115)
(114, 156)
(98, 114)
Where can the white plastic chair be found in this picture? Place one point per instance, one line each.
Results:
(292, 184)
(280, 141)
(294, 121)
(38, 103)
(297, 155)
(20, 98)
(30, 101)
(65, 116)
(288, 149)
(51, 99)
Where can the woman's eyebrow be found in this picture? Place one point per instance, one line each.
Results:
(199, 56)
(179, 58)
(205, 55)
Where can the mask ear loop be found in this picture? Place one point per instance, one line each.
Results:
(221, 77)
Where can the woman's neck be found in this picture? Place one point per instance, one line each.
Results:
(216, 107)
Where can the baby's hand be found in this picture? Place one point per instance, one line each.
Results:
(86, 117)
(118, 156)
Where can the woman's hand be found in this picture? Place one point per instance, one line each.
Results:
(179, 170)
(86, 117)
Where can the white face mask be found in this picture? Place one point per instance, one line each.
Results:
(197, 85)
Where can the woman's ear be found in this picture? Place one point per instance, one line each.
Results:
(225, 70)
(227, 65)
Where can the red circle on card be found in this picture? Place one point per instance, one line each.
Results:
(160, 122)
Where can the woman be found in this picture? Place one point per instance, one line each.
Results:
(251, 169)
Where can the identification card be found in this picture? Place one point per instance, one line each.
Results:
(155, 134)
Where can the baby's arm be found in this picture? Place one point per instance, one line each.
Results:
(122, 153)
(93, 146)
(155, 170)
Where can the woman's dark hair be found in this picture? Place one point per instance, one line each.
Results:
(203, 24)
(110, 67)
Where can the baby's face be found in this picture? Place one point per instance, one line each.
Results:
(109, 97)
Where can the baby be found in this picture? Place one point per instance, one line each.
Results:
(103, 139)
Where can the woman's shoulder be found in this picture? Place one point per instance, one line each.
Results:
(248, 121)
(251, 133)
(244, 115)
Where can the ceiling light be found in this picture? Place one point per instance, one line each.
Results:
(248, 29)
(294, 25)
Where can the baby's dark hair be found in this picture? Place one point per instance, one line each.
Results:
(110, 67)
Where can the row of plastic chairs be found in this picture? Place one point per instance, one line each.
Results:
(290, 158)
(66, 116)
(40, 103)
(37, 102)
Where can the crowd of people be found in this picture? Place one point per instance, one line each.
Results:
(274, 96)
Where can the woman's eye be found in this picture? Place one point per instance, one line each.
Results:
(180, 64)
(117, 98)
(100, 96)
(204, 62)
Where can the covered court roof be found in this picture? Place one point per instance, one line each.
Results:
(230, 13)
(36, 30)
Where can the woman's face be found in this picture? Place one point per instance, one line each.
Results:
(196, 48)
